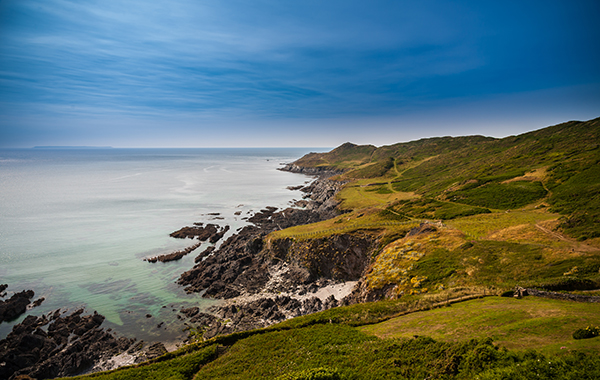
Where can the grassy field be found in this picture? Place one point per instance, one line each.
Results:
(469, 341)
(518, 324)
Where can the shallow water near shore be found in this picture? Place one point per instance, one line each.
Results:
(75, 225)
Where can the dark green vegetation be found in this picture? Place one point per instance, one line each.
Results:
(586, 333)
(428, 208)
(500, 195)
(177, 368)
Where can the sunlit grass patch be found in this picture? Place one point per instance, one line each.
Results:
(479, 226)
(528, 323)
(355, 197)
(369, 219)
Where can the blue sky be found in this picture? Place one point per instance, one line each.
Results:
(291, 73)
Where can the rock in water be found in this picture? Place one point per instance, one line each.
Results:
(68, 346)
(15, 305)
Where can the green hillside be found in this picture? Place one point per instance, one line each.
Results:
(458, 222)
(559, 165)
(389, 339)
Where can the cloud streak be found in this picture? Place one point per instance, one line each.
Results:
(230, 62)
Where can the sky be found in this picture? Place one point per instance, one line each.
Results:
(217, 73)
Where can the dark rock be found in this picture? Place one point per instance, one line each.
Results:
(240, 265)
(211, 232)
(424, 228)
(177, 255)
(330, 302)
(38, 302)
(319, 171)
(190, 312)
(15, 305)
(312, 305)
(153, 351)
(71, 345)
(203, 233)
(216, 237)
(204, 254)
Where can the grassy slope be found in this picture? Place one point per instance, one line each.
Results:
(528, 323)
(476, 171)
(522, 210)
(333, 340)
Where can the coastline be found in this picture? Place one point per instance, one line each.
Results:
(318, 203)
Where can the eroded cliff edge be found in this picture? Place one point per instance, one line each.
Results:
(264, 281)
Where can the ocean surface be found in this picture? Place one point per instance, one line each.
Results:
(76, 224)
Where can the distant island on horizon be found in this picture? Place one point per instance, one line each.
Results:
(71, 147)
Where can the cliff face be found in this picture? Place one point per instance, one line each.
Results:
(308, 170)
(239, 267)
(342, 257)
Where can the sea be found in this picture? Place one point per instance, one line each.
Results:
(76, 225)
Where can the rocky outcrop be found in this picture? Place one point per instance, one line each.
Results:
(307, 170)
(363, 293)
(246, 266)
(16, 305)
(173, 256)
(211, 232)
(521, 292)
(238, 267)
(54, 345)
(261, 312)
(341, 257)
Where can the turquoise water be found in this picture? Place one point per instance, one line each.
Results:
(75, 225)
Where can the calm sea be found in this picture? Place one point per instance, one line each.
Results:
(75, 225)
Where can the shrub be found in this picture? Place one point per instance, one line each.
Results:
(586, 333)
(312, 374)
(501, 195)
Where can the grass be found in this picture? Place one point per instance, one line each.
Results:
(369, 219)
(501, 195)
(178, 368)
(435, 209)
(366, 341)
(355, 196)
(517, 324)
(480, 226)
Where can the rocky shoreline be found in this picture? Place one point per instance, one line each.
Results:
(263, 283)
(260, 284)
(59, 344)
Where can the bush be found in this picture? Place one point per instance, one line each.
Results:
(501, 195)
(586, 333)
(312, 374)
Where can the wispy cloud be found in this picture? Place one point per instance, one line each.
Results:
(273, 60)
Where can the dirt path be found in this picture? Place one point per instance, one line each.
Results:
(576, 245)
